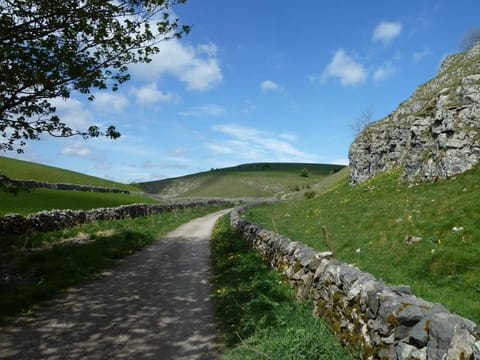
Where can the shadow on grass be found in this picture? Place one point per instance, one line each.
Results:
(29, 276)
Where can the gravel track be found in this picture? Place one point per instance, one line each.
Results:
(156, 304)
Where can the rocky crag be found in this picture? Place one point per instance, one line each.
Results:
(435, 134)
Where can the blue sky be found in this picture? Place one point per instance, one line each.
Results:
(257, 81)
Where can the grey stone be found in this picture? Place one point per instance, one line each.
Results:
(404, 351)
(476, 350)
(435, 118)
(444, 331)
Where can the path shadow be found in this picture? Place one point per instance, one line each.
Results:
(156, 304)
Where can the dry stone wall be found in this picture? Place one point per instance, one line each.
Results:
(385, 322)
(32, 184)
(53, 220)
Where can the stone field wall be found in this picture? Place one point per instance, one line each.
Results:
(53, 220)
(385, 322)
(32, 184)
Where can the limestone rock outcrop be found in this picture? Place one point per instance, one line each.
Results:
(435, 134)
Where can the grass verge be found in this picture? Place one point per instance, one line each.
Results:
(258, 317)
(35, 200)
(371, 224)
(37, 267)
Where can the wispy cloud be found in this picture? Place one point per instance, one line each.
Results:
(76, 149)
(269, 85)
(204, 110)
(259, 145)
(385, 71)
(178, 151)
(419, 55)
(345, 68)
(386, 31)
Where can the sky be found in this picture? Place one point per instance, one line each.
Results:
(259, 81)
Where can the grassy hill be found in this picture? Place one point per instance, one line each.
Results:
(257, 180)
(44, 199)
(25, 170)
(374, 225)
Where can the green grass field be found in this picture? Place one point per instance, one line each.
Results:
(368, 225)
(249, 180)
(45, 199)
(19, 169)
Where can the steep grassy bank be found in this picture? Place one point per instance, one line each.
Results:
(376, 224)
(257, 315)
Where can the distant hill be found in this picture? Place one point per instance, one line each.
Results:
(256, 180)
(25, 170)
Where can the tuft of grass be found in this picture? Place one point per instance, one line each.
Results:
(38, 267)
(258, 317)
(35, 200)
(369, 223)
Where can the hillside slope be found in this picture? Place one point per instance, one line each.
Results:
(434, 134)
(258, 180)
(25, 170)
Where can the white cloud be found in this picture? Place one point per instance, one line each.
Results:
(346, 69)
(385, 71)
(76, 149)
(204, 110)
(259, 145)
(72, 113)
(150, 94)
(419, 55)
(269, 85)
(219, 149)
(110, 102)
(288, 137)
(178, 151)
(198, 66)
(386, 31)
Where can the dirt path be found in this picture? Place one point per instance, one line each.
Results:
(155, 305)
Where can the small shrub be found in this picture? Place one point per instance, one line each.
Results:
(309, 194)
(304, 172)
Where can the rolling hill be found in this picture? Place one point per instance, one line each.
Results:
(256, 180)
(46, 199)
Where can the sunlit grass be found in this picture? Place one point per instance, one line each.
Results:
(368, 225)
(258, 317)
(45, 199)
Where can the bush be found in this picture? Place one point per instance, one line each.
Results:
(309, 194)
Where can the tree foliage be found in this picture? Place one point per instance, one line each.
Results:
(49, 49)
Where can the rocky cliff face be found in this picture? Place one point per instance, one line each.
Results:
(434, 134)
